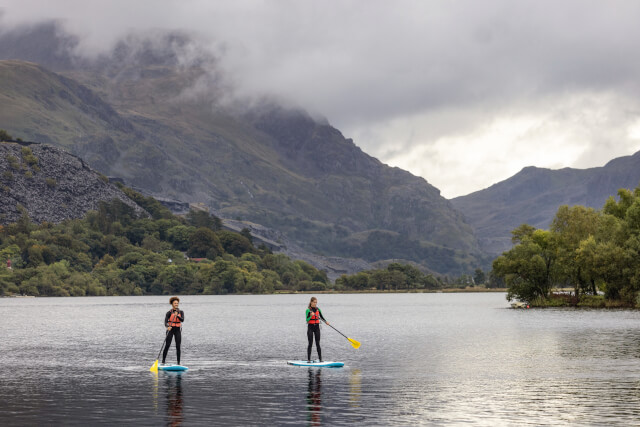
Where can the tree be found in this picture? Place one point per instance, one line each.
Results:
(179, 236)
(571, 226)
(4, 136)
(234, 243)
(204, 242)
(479, 276)
(528, 268)
(199, 218)
(247, 233)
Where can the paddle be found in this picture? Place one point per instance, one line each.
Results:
(154, 367)
(353, 342)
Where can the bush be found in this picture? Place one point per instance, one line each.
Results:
(4, 136)
(28, 156)
(13, 162)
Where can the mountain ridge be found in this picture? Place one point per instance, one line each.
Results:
(265, 163)
(533, 196)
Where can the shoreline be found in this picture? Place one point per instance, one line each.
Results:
(397, 291)
(330, 291)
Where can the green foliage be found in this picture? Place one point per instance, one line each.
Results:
(149, 204)
(590, 251)
(51, 183)
(234, 243)
(247, 234)
(395, 277)
(13, 162)
(179, 235)
(204, 243)
(111, 252)
(479, 277)
(4, 136)
(200, 218)
(28, 157)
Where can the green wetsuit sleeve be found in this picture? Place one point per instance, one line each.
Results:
(307, 314)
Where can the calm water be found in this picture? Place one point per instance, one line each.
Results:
(425, 359)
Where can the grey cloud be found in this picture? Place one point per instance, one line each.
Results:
(362, 61)
(364, 64)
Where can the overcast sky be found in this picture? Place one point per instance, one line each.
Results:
(462, 93)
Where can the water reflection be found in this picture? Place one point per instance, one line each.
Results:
(173, 384)
(314, 397)
(471, 364)
(154, 395)
(355, 388)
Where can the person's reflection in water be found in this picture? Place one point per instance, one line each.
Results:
(314, 396)
(174, 398)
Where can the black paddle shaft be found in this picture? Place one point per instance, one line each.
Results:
(336, 330)
(164, 342)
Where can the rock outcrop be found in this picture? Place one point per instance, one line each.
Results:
(51, 184)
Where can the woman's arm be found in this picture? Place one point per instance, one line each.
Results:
(166, 319)
(322, 317)
(308, 314)
(181, 316)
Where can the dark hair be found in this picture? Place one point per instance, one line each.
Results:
(312, 299)
(172, 299)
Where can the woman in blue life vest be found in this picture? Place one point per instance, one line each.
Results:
(173, 322)
(313, 315)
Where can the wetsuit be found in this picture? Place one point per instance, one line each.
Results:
(176, 331)
(313, 316)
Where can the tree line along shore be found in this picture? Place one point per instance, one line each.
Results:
(593, 253)
(115, 251)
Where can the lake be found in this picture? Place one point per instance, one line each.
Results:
(432, 359)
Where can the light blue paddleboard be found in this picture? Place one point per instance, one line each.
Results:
(172, 368)
(316, 363)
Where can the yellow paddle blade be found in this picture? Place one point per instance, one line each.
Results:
(354, 343)
(154, 367)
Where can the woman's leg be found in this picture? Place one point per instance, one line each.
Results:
(310, 338)
(178, 335)
(316, 332)
(167, 344)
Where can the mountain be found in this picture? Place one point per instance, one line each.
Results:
(51, 184)
(533, 196)
(167, 127)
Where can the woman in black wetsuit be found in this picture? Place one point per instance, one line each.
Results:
(313, 315)
(173, 321)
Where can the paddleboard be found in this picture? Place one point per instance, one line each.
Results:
(172, 368)
(315, 363)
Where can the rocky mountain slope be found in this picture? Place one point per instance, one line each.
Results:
(534, 194)
(161, 125)
(50, 184)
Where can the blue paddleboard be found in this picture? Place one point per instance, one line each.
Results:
(315, 363)
(172, 368)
